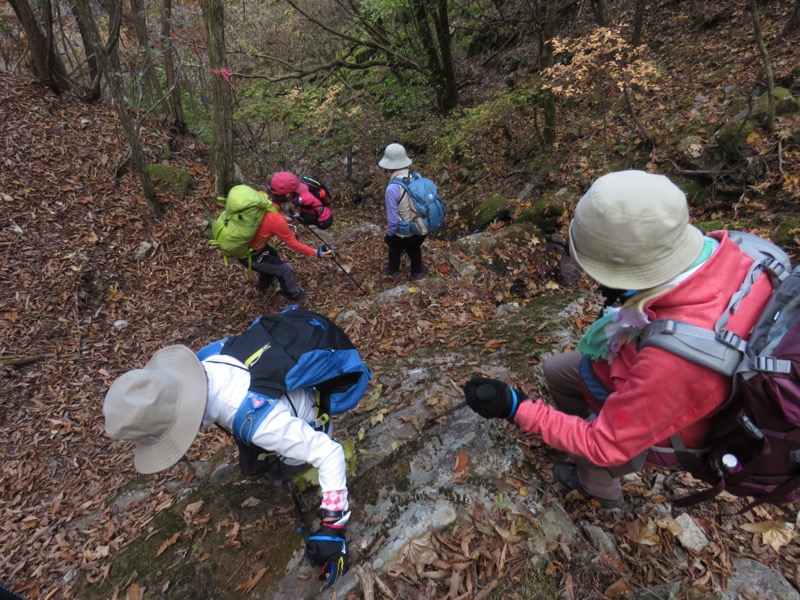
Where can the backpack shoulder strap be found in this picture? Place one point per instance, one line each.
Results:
(719, 349)
(251, 413)
(719, 352)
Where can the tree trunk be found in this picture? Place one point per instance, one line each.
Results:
(45, 64)
(638, 22)
(793, 22)
(94, 94)
(770, 121)
(115, 87)
(150, 83)
(222, 144)
(549, 31)
(600, 12)
(176, 105)
(114, 8)
(442, 23)
(435, 74)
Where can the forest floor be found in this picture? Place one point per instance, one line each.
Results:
(77, 308)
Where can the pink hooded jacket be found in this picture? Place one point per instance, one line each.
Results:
(656, 393)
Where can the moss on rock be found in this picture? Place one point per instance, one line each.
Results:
(787, 231)
(169, 179)
(494, 208)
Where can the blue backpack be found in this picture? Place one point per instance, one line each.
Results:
(426, 203)
(290, 350)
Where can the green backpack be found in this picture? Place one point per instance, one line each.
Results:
(238, 223)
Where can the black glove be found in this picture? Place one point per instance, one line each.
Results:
(491, 398)
(388, 239)
(327, 548)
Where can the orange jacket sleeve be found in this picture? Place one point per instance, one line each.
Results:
(274, 224)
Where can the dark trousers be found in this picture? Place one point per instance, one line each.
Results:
(268, 265)
(412, 246)
(563, 383)
(311, 219)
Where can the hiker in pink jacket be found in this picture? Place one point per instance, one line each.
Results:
(311, 211)
(616, 408)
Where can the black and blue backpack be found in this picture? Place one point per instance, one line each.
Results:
(286, 351)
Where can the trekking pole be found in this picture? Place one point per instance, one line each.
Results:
(304, 529)
(338, 264)
(445, 413)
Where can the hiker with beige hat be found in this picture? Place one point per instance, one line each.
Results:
(274, 388)
(616, 406)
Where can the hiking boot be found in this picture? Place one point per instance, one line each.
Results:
(295, 297)
(264, 286)
(567, 477)
(389, 273)
(418, 276)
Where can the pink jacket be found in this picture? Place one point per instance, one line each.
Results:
(308, 203)
(656, 393)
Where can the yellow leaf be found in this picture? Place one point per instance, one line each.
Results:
(552, 285)
(753, 137)
(377, 417)
(777, 535)
(251, 502)
(413, 290)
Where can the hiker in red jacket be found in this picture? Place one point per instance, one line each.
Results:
(267, 262)
(616, 408)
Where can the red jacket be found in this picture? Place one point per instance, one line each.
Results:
(656, 393)
(275, 224)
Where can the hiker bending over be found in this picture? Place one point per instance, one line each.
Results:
(617, 408)
(399, 208)
(271, 387)
(266, 261)
(289, 192)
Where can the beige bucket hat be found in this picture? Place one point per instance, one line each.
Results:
(394, 157)
(160, 407)
(631, 231)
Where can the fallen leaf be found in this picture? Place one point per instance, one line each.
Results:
(461, 461)
(619, 588)
(777, 535)
(249, 584)
(167, 543)
(134, 592)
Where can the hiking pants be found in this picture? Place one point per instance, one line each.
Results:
(312, 219)
(411, 245)
(268, 265)
(563, 383)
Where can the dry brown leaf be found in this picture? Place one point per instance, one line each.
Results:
(619, 588)
(134, 592)
(249, 584)
(461, 461)
(167, 543)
